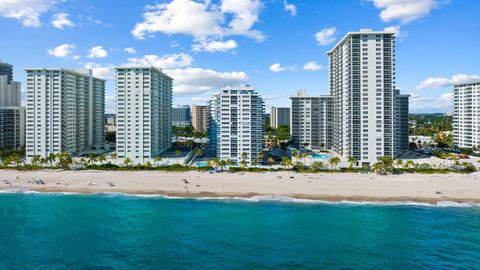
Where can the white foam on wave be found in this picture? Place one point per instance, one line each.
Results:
(255, 199)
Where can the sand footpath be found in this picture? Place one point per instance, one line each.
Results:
(321, 186)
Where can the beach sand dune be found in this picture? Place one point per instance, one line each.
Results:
(320, 186)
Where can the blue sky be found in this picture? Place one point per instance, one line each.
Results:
(276, 46)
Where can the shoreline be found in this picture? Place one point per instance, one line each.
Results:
(327, 187)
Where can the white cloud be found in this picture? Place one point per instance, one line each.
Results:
(212, 22)
(61, 20)
(326, 36)
(199, 80)
(26, 11)
(312, 66)
(103, 72)
(441, 103)
(76, 57)
(269, 97)
(163, 62)
(399, 33)
(110, 104)
(97, 52)
(215, 46)
(406, 11)
(96, 21)
(130, 50)
(437, 82)
(200, 99)
(63, 50)
(291, 8)
(278, 68)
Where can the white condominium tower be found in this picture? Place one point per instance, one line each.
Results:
(311, 121)
(362, 84)
(236, 124)
(65, 112)
(466, 116)
(144, 113)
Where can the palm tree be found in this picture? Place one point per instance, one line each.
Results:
(221, 163)
(399, 163)
(51, 158)
(178, 153)
(64, 160)
(15, 159)
(286, 162)
(148, 165)
(83, 161)
(92, 158)
(255, 161)
(198, 152)
(127, 161)
(334, 161)
(377, 167)
(270, 161)
(295, 154)
(157, 160)
(43, 161)
(316, 166)
(408, 164)
(35, 160)
(261, 156)
(114, 156)
(244, 164)
(212, 162)
(351, 161)
(102, 158)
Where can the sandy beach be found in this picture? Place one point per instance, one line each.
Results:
(320, 186)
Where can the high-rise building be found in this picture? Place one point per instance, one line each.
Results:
(362, 84)
(144, 113)
(403, 118)
(200, 118)
(7, 70)
(181, 116)
(311, 121)
(466, 116)
(279, 117)
(12, 115)
(236, 123)
(65, 111)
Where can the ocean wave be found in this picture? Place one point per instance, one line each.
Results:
(255, 199)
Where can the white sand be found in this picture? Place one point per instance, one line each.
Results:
(321, 186)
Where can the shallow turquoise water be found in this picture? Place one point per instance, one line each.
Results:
(319, 156)
(54, 231)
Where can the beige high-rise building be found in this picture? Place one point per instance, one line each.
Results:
(200, 118)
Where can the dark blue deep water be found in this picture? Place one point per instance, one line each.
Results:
(55, 231)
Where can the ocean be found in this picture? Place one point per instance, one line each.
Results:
(116, 231)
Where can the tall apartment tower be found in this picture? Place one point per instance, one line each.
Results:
(181, 116)
(466, 115)
(7, 70)
(279, 117)
(362, 84)
(200, 118)
(236, 123)
(144, 113)
(64, 112)
(12, 115)
(403, 118)
(311, 121)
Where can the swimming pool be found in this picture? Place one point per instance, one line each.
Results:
(202, 164)
(319, 156)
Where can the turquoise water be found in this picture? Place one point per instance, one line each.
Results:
(319, 156)
(53, 231)
(202, 164)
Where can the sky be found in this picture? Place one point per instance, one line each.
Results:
(275, 46)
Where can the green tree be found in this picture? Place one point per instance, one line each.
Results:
(114, 156)
(178, 153)
(317, 166)
(270, 161)
(35, 160)
(51, 158)
(255, 162)
(198, 152)
(92, 158)
(351, 161)
(286, 162)
(64, 160)
(333, 161)
(127, 161)
(102, 158)
(157, 160)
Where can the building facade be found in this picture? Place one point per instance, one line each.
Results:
(236, 123)
(200, 118)
(144, 113)
(362, 84)
(279, 117)
(12, 115)
(64, 112)
(311, 121)
(466, 116)
(403, 118)
(181, 116)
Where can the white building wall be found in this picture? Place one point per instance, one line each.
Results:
(466, 116)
